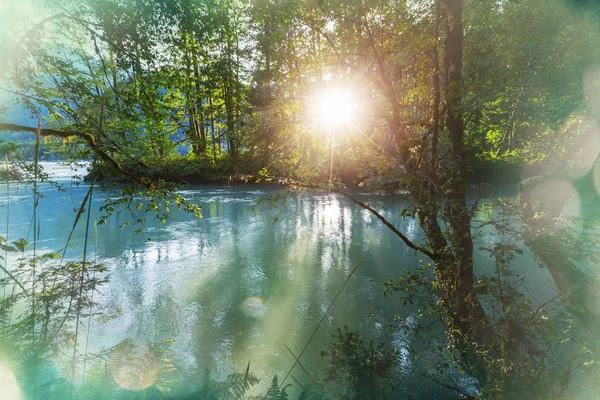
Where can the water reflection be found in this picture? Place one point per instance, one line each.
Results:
(234, 286)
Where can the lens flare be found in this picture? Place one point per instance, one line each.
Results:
(591, 89)
(133, 367)
(584, 148)
(596, 175)
(255, 307)
(557, 198)
(9, 388)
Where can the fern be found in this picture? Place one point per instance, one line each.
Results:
(275, 392)
(234, 387)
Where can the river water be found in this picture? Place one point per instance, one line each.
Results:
(235, 286)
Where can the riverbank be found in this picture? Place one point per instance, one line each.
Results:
(246, 170)
(181, 170)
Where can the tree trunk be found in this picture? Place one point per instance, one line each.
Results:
(212, 127)
(435, 107)
(200, 130)
(456, 203)
(191, 107)
(428, 214)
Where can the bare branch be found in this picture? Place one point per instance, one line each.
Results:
(361, 204)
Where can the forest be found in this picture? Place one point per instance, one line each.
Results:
(299, 199)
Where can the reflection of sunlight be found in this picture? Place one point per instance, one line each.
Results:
(326, 260)
(401, 341)
(591, 84)
(206, 266)
(133, 367)
(9, 388)
(366, 216)
(267, 347)
(331, 212)
(318, 252)
(335, 222)
(347, 226)
(328, 216)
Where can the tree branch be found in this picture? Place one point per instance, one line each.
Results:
(380, 217)
(90, 139)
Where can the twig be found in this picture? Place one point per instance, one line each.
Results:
(299, 363)
(323, 318)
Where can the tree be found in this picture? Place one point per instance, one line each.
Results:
(446, 89)
(431, 121)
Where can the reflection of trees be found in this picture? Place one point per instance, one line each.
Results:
(563, 250)
(191, 284)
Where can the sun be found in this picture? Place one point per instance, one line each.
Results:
(335, 107)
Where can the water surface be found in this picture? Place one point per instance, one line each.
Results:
(234, 286)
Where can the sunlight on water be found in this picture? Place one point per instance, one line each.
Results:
(290, 308)
(233, 286)
(331, 212)
(267, 347)
(591, 84)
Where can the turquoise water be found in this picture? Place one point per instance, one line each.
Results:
(234, 286)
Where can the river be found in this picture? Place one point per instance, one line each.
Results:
(235, 286)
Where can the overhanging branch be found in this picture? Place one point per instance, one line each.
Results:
(90, 139)
(380, 217)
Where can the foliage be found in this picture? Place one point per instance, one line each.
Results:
(532, 353)
(186, 91)
(363, 368)
(42, 299)
(276, 393)
(130, 370)
(235, 386)
(179, 170)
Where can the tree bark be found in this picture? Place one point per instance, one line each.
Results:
(459, 216)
